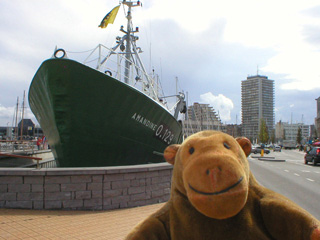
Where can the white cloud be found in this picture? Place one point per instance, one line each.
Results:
(261, 24)
(203, 40)
(298, 66)
(7, 116)
(220, 103)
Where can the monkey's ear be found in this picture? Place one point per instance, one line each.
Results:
(170, 153)
(245, 144)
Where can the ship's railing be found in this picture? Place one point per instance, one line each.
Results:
(45, 163)
(17, 146)
(21, 156)
(29, 157)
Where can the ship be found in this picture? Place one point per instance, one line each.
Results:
(112, 113)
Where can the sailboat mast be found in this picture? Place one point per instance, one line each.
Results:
(16, 123)
(22, 116)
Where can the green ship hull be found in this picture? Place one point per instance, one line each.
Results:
(91, 119)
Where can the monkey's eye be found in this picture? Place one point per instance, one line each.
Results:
(191, 150)
(226, 146)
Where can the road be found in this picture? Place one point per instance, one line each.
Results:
(291, 178)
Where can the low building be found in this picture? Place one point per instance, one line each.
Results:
(29, 131)
(26, 128)
(317, 119)
(289, 131)
(313, 133)
(234, 130)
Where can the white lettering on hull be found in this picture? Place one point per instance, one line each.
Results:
(162, 131)
(144, 121)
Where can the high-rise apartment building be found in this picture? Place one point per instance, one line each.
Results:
(257, 102)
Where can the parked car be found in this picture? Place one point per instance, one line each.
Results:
(277, 149)
(312, 156)
(258, 150)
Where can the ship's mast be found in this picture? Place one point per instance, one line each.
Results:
(127, 45)
(129, 38)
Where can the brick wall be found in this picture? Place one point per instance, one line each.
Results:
(85, 188)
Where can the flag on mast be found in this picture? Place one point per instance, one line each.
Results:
(109, 18)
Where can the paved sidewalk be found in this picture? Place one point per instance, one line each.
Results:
(51, 224)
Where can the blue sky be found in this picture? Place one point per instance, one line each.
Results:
(211, 46)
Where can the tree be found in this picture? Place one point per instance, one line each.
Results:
(263, 134)
(299, 136)
(273, 136)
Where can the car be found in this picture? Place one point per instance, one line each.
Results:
(312, 156)
(258, 150)
(277, 149)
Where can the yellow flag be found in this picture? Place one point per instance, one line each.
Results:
(109, 18)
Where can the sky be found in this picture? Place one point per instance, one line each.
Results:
(210, 46)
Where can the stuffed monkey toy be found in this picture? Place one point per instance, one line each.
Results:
(215, 196)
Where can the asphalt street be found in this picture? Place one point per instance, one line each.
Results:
(290, 177)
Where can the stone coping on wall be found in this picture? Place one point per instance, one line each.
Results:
(98, 188)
